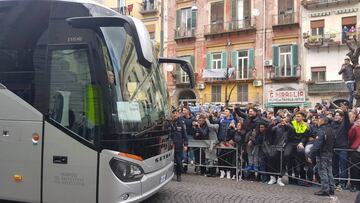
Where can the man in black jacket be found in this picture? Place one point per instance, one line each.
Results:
(323, 150)
(179, 137)
(341, 126)
(347, 72)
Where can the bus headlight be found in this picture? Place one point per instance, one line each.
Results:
(126, 171)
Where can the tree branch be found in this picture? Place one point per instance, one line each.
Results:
(231, 92)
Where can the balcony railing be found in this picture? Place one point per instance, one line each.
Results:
(278, 73)
(327, 87)
(246, 74)
(182, 33)
(148, 7)
(330, 39)
(286, 18)
(226, 27)
(323, 3)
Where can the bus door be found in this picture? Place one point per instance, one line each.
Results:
(70, 157)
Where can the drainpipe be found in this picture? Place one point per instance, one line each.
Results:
(162, 29)
(264, 53)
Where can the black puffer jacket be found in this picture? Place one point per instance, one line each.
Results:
(341, 132)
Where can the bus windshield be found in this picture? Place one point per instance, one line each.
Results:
(138, 92)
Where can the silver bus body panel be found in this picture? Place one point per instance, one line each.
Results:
(10, 108)
(157, 162)
(18, 154)
(111, 189)
(71, 182)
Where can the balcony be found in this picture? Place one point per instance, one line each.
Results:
(282, 75)
(327, 87)
(149, 7)
(310, 4)
(329, 39)
(246, 74)
(184, 33)
(219, 75)
(285, 19)
(237, 26)
(183, 1)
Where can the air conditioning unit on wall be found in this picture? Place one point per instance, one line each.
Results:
(201, 86)
(257, 83)
(268, 63)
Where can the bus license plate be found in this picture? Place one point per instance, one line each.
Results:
(162, 178)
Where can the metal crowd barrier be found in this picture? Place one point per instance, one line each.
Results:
(205, 144)
(202, 145)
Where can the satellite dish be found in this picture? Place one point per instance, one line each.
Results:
(255, 12)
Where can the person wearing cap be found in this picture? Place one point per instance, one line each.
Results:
(347, 72)
(322, 150)
(179, 137)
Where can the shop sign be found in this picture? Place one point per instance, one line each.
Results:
(286, 96)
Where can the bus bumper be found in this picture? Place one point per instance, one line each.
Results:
(151, 183)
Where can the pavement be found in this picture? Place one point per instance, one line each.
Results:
(197, 188)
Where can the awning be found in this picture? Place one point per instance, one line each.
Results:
(304, 104)
(217, 73)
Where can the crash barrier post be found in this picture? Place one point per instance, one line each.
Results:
(202, 145)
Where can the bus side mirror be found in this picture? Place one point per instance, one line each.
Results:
(132, 26)
(185, 66)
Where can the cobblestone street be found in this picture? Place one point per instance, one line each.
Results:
(195, 188)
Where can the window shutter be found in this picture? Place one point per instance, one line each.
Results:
(234, 59)
(251, 58)
(178, 18)
(208, 61)
(275, 59)
(224, 59)
(193, 19)
(251, 64)
(233, 10)
(295, 58)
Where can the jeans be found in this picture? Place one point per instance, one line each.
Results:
(351, 88)
(325, 172)
(340, 169)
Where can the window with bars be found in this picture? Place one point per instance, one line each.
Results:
(216, 93)
(318, 74)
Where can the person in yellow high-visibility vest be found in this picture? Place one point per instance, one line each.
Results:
(295, 148)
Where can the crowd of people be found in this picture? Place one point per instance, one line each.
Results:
(307, 145)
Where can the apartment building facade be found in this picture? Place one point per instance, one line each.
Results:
(327, 26)
(243, 51)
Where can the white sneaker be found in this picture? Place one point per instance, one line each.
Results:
(234, 177)
(228, 175)
(222, 174)
(280, 183)
(272, 180)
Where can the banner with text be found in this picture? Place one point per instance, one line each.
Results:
(286, 96)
